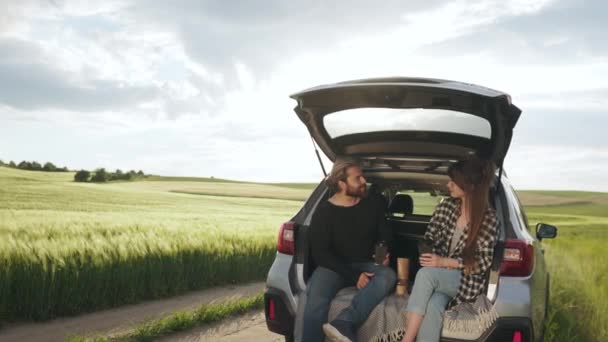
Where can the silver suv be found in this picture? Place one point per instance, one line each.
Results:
(406, 132)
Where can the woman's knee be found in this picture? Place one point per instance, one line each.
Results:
(427, 276)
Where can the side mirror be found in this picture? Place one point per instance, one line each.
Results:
(545, 231)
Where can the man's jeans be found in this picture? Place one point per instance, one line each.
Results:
(323, 286)
(433, 289)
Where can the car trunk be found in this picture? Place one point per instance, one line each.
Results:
(408, 230)
(406, 132)
(392, 178)
(403, 177)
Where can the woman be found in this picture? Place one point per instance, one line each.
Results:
(463, 232)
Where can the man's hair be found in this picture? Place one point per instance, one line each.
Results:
(338, 173)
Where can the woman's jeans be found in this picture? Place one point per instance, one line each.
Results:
(433, 288)
(325, 283)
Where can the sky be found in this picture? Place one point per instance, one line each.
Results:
(201, 88)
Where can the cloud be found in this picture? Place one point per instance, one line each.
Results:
(558, 167)
(36, 86)
(555, 34)
(182, 58)
(222, 35)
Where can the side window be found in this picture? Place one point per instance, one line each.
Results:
(516, 205)
(521, 212)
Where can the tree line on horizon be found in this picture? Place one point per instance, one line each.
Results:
(97, 176)
(34, 166)
(101, 175)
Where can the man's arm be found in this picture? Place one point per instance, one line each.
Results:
(321, 248)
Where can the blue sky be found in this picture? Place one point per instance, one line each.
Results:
(200, 88)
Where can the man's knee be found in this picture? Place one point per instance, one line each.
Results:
(323, 283)
(386, 276)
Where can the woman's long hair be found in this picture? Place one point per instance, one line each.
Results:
(474, 176)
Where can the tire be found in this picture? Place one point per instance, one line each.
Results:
(289, 339)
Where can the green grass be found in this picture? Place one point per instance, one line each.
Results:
(180, 321)
(578, 263)
(68, 247)
(155, 178)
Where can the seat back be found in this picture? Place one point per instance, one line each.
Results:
(401, 206)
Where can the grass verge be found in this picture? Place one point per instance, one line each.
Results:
(179, 321)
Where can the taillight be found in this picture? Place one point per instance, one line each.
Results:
(518, 259)
(517, 336)
(285, 244)
(271, 310)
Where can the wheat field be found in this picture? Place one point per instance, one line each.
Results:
(68, 247)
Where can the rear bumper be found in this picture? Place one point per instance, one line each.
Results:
(503, 330)
(283, 320)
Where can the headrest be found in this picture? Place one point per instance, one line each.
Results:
(401, 204)
(374, 190)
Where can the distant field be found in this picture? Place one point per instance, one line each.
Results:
(71, 247)
(578, 264)
(251, 190)
(305, 186)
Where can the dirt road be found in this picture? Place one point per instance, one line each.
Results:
(118, 319)
(250, 327)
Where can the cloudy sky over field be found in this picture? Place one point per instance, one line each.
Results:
(200, 88)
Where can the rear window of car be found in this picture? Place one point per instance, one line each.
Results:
(364, 120)
(424, 202)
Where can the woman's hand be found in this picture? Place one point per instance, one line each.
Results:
(431, 260)
(434, 260)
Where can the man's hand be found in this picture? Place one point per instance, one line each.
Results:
(364, 279)
(431, 260)
(386, 260)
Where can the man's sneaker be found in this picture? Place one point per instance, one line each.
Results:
(339, 331)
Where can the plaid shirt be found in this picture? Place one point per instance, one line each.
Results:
(440, 231)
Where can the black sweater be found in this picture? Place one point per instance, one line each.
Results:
(344, 235)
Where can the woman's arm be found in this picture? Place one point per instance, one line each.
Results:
(434, 260)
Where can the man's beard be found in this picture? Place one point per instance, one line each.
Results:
(356, 192)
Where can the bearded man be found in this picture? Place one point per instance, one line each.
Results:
(344, 231)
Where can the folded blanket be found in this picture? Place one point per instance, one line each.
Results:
(385, 323)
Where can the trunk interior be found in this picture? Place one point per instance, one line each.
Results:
(410, 199)
(408, 229)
